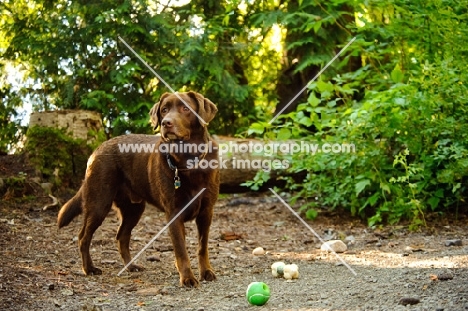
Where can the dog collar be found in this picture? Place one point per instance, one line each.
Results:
(172, 166)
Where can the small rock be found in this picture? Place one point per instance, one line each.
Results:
(151, 291)
(165, 248)
(392, 244)
(259, 251)
(164, 291)
(336, 245)
(409, 249)
(350, 240)
(329, 235)
(455, 242)
(445, 276)
(91, 307)
(67, 292)
(408, 301)
(240, 201)
(153, 258)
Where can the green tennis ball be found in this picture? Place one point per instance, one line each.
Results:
(258, 293)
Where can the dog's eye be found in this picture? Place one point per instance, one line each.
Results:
(186, 108)
(164, 110)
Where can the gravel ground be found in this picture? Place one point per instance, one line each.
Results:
(40, 267)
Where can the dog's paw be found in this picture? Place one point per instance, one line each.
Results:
(92, 271)
(189, 282)
(208, 275)
(135, 268)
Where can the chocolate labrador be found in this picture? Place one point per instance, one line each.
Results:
(165, 176)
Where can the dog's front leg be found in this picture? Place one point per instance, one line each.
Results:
(177, 233)
(203, 221)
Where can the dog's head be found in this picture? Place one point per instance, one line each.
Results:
(180, 115)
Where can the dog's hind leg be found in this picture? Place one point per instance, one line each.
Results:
(130, 214)
(93, 218)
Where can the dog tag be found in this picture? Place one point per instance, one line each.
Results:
(177, 182)
(176, 179)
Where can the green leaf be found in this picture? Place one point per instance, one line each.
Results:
(256, 128)
(325, 86)
(374, 198)
(305, 121)
(311, 214)
(433, 202)
(385, 187)
(313, 100)
(397, 75)
(360, 186)
(439, 193)
(225, 21)
(283, 134)
(317, 26)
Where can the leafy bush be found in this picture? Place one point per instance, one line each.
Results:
(60, 158)
(405, 110)
(411, 154)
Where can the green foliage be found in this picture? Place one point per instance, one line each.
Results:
(11, 131)
(58, 157)
(72, 58)
(405, 111)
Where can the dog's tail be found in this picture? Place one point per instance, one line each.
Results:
(70, 210)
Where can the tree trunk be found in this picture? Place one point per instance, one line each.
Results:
(240, 161)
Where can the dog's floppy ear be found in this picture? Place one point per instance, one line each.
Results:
(206, 109)
(155, 116)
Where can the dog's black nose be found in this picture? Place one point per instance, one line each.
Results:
(167, 122)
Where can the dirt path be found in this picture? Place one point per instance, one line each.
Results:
(40, 268)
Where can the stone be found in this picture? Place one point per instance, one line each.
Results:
(336, 245)
(151, 291)
(455, 242)
(153, 258)
(444, 276)
(408, 301)
(259, 251)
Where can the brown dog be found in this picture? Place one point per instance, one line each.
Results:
(126, 180)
